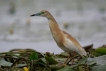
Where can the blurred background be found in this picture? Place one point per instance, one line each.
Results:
(84, 19)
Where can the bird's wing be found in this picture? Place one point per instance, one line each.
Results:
(72, 38)
(72, 44)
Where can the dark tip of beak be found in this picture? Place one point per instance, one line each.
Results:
(32, 15)
(35, 14)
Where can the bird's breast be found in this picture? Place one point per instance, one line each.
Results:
(58, 39)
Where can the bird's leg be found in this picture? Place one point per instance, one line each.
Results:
(67, 59)
(73, 55)
(72, 59)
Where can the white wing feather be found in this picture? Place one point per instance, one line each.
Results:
(71, 46)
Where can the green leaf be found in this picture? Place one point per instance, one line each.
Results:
(101, 60)
(66, 69)
(82, 61)
(101, 51)
(99, 68)
(91, 62)
(43, 61)
(51, 60)
(33, 56)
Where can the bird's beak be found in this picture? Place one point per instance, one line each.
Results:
(38, 14)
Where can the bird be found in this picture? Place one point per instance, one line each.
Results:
(64, 40)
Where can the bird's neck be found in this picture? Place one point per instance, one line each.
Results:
(54, 27)
(56, 31)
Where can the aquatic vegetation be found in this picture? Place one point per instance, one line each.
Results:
(32, 60)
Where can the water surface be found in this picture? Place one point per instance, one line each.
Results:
(86, 21)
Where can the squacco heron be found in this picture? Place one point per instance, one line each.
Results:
(64, 40)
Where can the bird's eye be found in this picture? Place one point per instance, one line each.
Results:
(42, 12)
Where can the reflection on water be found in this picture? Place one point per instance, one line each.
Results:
(86, 20)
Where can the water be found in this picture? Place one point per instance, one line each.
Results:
(86, 21)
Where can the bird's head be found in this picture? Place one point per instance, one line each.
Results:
(43, 13)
